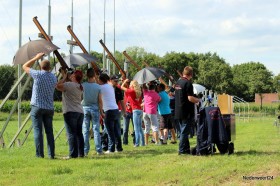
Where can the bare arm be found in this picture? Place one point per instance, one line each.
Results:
(100, 104)
(123, 85)
(123, 107)
(193, 99)
(26, 66)
(59, 85)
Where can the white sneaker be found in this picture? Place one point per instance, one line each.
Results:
(108, 152)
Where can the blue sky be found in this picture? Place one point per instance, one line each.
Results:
(237, 30)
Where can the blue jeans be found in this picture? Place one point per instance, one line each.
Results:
(112, 123)
(39, 118)
(91, 114)
(184, 145)
(73, 123)
(137, 121)
(127, 119)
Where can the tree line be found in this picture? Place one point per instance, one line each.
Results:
(212, 71)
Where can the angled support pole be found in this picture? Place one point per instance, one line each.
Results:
(12, 90)
(14, 107)
(19, 131)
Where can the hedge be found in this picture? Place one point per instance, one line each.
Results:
(271, 109)
(25, 106)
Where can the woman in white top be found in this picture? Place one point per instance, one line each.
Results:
(111, 112)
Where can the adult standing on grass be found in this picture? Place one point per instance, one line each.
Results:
(114, 79)
(128, 115)
(134, 95)
(151, 100)
(165, 115)
(110, 107)
(73, 114)
(92, 105)
(184, 108)
(42, 109)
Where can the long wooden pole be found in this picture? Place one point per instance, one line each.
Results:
(113, 59)
(57, 54)
(179, 73)
(94, 65)
(131, 60)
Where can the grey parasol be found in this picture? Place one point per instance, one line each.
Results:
(148, 74)
(30, 49)
(77, 59)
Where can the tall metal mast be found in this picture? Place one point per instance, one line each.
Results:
(104, 39)
(49, 23)
(89, 24)
(114, 37)
(71, 46)
(19, 66)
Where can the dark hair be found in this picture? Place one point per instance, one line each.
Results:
(161, 86)
(45, 65)
(79, 77)
(90, 73)
(152, 86)
(104, 78)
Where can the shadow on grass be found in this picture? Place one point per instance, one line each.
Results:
(139, 153)
(257, 153)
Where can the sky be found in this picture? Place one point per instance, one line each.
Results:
(239, 31)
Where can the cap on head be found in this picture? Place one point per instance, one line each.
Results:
(114, 78)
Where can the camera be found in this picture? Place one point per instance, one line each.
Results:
(70, 71)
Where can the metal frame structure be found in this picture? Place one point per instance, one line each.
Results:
(237, 100)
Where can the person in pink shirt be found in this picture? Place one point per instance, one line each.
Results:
(151, 100)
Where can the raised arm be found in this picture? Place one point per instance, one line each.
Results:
(26, 67)
(123, 85)
(59, 85)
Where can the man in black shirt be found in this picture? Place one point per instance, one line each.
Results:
(184, 107)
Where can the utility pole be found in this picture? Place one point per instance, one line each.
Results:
(71, 46)
(114, 67)
(104, 39)
(49, 23)
(19, 66)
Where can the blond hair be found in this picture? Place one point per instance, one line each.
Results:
(136, 88)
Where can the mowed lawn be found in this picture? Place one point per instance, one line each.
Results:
(256, 161)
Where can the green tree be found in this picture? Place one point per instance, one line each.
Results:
(7, 78)
(253, 78)
(214, 73)
(140, 56)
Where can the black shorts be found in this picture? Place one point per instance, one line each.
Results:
(166, 121)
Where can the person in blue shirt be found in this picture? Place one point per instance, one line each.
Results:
(92, 105)
(42, 109)
(165, 115)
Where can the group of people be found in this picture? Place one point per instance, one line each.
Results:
(102, 100)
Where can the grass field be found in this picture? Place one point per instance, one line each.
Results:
(257, 156)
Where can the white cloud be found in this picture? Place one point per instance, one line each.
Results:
(238, 30)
